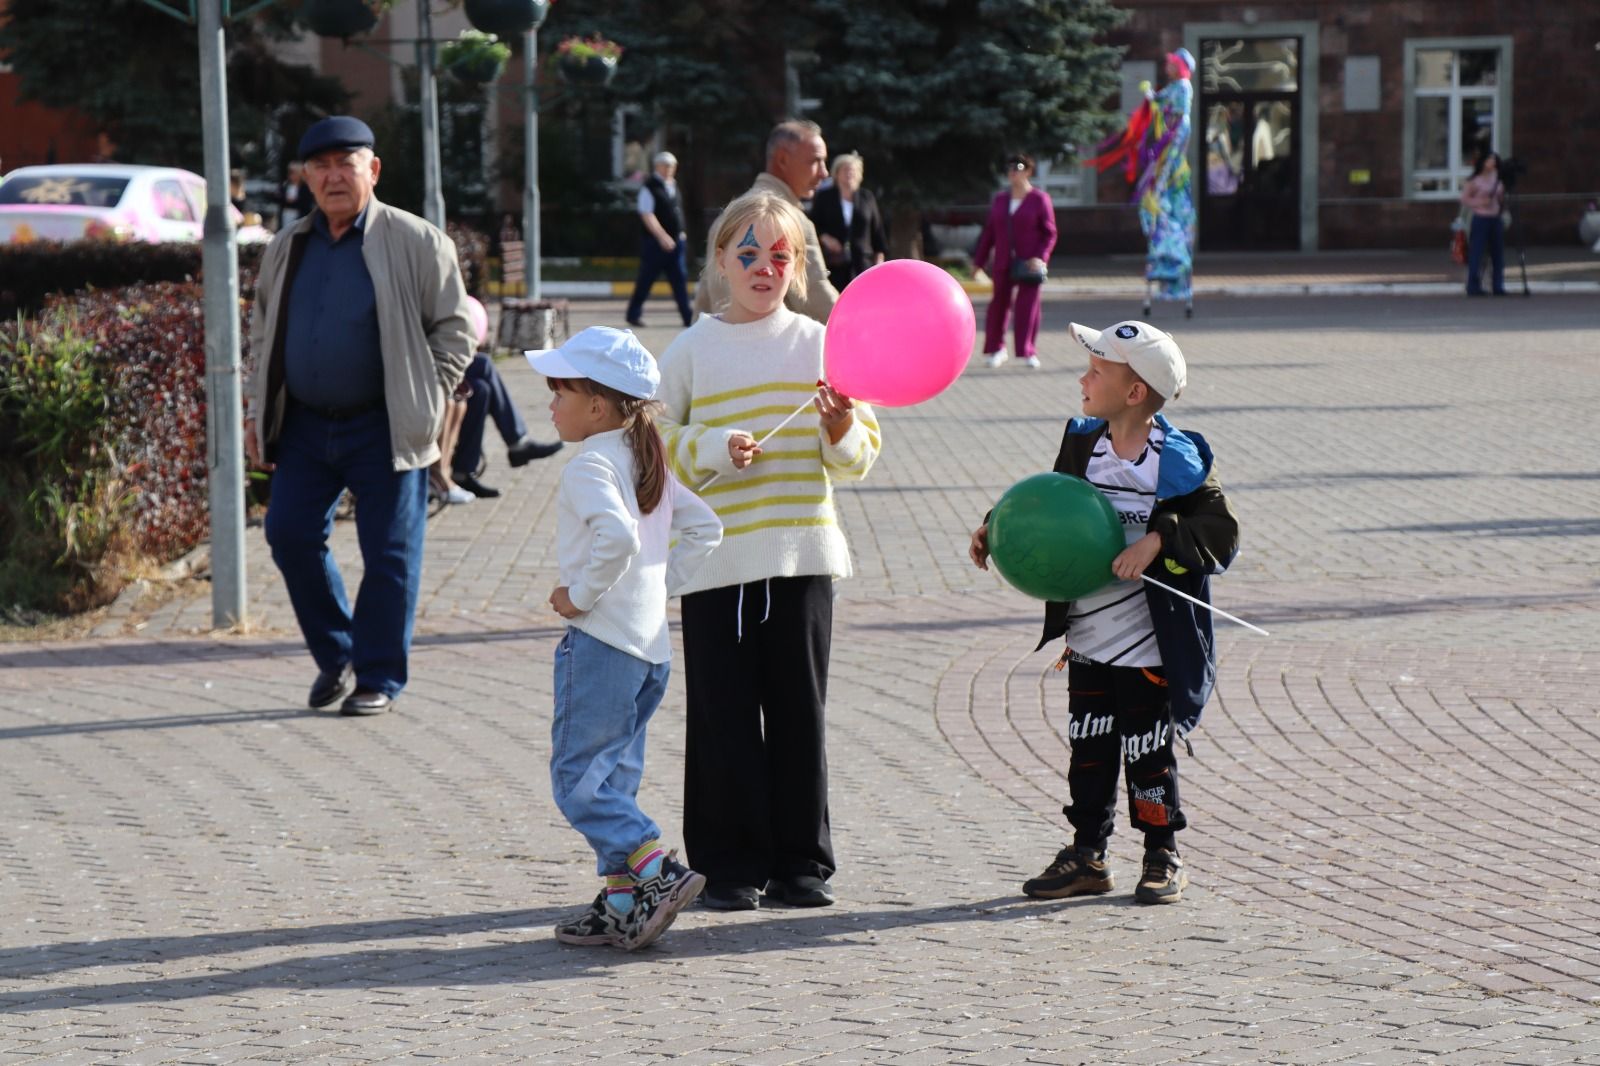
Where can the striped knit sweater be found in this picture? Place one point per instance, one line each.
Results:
(718, 379)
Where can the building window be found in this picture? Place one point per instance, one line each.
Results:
(1458, 103)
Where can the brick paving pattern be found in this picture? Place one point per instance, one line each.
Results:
(1391, 853)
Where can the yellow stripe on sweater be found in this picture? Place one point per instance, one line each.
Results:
(764, 479)
(774, 523)
(746, 415)
(756, 390)
(772, 501)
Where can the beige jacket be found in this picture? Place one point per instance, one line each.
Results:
(423, 329)
(713, 295)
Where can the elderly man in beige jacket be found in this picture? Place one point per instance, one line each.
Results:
(797, 161)
(360, 332)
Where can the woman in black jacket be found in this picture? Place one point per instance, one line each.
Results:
(848, 222)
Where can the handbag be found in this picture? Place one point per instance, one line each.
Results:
(1458, 248)
(1021, 273)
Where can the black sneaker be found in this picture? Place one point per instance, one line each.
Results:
(1163, 880)
(727, 896)
(471, 483)
(597, 926)
(657, 901)
(1075, 872)
(527, 450)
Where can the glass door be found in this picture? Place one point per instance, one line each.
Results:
(1250, 189)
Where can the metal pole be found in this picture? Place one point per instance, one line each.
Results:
(530, 158)
(224, 437)
(432, 185)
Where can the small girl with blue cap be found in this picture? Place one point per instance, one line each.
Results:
(628, 535)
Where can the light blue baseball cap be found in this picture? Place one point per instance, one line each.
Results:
(612, 357)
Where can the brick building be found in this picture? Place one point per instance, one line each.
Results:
(1320, 124)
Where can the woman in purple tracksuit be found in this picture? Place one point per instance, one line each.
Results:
(1020, 229)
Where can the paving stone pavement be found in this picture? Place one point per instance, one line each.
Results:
(1391, 797)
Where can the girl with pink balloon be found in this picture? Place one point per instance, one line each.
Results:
(765, 411)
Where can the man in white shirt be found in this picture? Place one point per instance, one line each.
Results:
(662, 246)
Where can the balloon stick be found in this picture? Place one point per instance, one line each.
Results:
(1207, 606)
(796, 413)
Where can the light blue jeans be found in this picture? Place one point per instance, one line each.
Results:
(604, 700)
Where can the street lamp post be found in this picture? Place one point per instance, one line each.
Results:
(530, 159)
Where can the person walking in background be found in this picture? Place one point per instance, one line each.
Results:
(664, 241)
(797, 161)
(849, 224)
(1020, 234)
(294, 199)
(1485, 196)
(360, 332)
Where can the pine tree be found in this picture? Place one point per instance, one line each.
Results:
(936, 93)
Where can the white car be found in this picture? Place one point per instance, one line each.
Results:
(107, 201)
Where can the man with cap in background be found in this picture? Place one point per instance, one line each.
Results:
(661, 247)
(359, 333)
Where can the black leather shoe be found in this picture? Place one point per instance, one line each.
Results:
(330, 687)
(723, 896)
(474, 486)
(364, 701)
(800, 891)
(527, 450)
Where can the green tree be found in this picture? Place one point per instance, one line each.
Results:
(135, 72)
(935, 93)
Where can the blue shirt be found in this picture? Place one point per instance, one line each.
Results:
(331, 353)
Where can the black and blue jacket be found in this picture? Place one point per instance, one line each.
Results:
(1199, 537)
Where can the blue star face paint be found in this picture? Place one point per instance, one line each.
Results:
(747, 259)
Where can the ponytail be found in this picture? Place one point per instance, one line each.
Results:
(649, 453)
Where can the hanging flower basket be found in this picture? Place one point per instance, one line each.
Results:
(587, 61)
(342, 18)
(474, 57)
(506, 19)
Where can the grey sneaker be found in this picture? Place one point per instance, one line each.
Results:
(657, 901)
(1075, 872)
(1163, 880)
(597, 926)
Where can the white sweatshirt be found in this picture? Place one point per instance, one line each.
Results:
(619, 566)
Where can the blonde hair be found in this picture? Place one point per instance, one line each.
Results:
(849, 159)
(754, 207)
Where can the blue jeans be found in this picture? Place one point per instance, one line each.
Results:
(489, 399)
(604, 700)
(1486, 230)
(318, 459)
(654, 261)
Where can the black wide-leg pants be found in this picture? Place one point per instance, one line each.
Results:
(1120, 717)
(755, 789)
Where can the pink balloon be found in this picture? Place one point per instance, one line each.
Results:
(901, 332)
(480, 319)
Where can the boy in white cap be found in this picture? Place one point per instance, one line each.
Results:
(627, 535)
(1140, 661)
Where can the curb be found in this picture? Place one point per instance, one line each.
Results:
(623, 289)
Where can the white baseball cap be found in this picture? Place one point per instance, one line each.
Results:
(612, 357)
(1152, 354)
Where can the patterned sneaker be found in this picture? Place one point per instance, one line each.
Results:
(658, 899)
(1075, 872)
(1163, 880)
(599, 925)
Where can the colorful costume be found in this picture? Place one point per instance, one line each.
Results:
(1154, 145)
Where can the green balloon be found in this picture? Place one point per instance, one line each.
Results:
(1053, 537)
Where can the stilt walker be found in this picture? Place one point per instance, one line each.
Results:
(1154, 146)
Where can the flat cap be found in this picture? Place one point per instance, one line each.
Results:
(336, 131)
